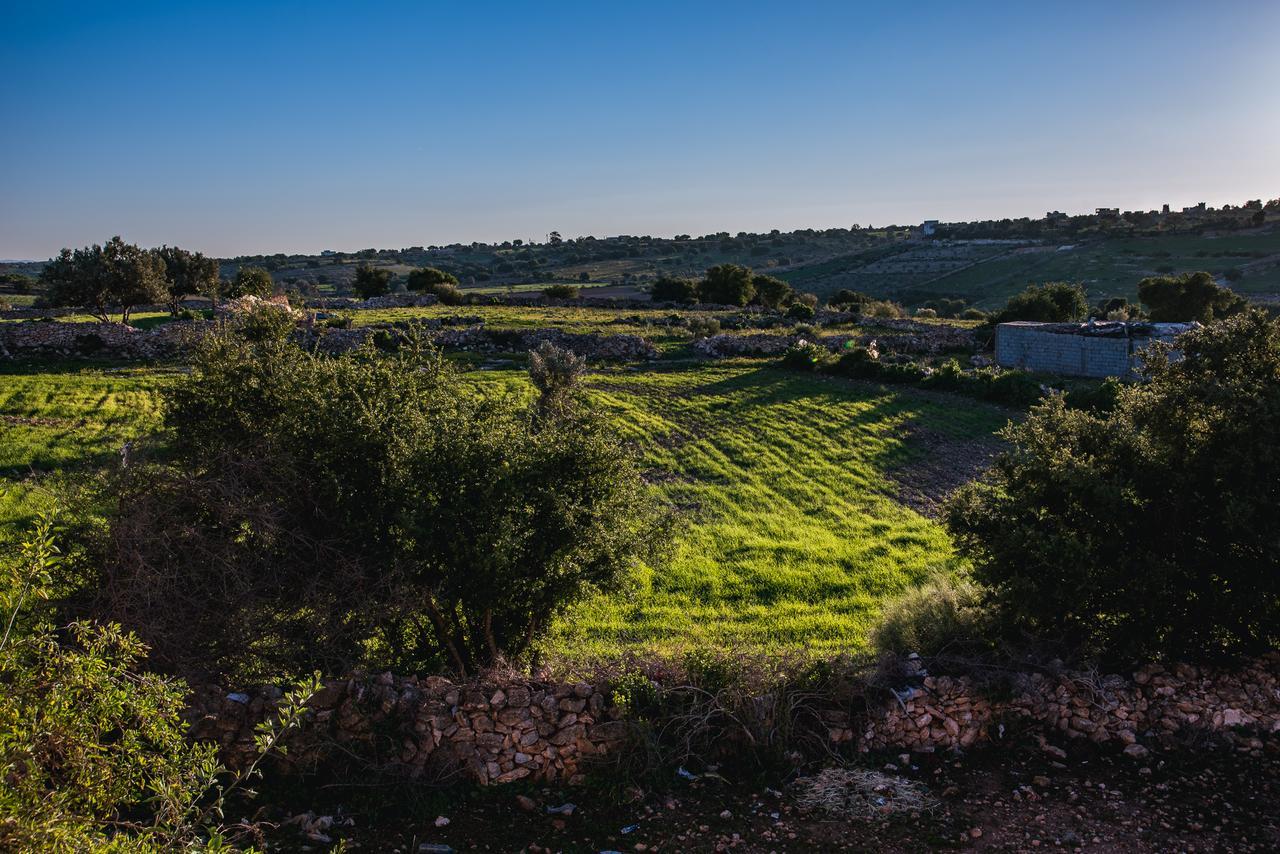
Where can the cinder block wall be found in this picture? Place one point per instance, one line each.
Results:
(1034, 349)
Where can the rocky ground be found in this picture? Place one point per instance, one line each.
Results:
(1207, 796)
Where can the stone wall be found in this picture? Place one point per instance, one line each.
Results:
(71, 340)
(51, 338)
(509, 729)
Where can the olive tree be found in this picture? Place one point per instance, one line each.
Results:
(98, 278)
(187, 273)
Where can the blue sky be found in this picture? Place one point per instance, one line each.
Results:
(242, 127)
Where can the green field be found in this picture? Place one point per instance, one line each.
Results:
(790, 534)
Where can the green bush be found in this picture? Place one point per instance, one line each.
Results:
(946, 615)
(671, 289)
(805, 356)
(428, 279)
(1149, 529)
(1053, 302)
(1191, 296)
(94, 750)
(800, 311)
(560, 291)
(372, 281)
(704, 327)
(727, 284)
(882, 309)
(317, 512)
(973, 314)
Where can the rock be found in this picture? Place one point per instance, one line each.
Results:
(726, 814)
(1136, 751)
(441, 821)
(526, 803)
(975, 833)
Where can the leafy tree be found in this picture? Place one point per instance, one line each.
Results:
(366, 509)
(428, 279)
(771, 292)
(672, 289)
(99, 277)
(1191, 296)
(372, 281)
(18, 283)
(1052, 302)
(1152, 528)
(249, 281)
(849, 300)
(727, 284)
(187, 273)
(554, 238)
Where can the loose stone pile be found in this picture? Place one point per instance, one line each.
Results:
(510, 729)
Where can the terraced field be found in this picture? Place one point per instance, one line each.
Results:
(791, 530)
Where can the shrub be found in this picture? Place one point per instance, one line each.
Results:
(947, 614)
(804, 356)
(1054, 302)
(94, 750)
(799, 311)
(727, 284)
(973, 314)
(770, 292)
(557, 375)
(323, 513)
(1191, 296)
(261, 320)
(671, 289)
(849, 300)
(1148, 529)
(371, 281)
(704, 327)
(428, 279)
(560, 291)
(927, 313)
(859, 362)
(882, 309)
(249, 282)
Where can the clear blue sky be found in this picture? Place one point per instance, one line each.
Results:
(242, 127)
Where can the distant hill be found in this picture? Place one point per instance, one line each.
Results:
(982, 263)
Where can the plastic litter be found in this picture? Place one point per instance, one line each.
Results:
(630, 828)
(563, 809)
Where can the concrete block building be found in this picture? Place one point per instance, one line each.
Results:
(1093, 349)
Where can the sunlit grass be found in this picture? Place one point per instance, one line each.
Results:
(789, 537)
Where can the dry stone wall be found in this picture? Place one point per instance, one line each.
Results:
(510, 729)
(51, 338)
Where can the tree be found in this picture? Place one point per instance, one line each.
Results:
(672, 289)
(849, 300)
(1150, 529)
(554, 238)
(727, 284)
(99, 277)
(371, 281)
(1052, 302)
(428, 279)
(249, 281)
(369, 509)
(1191, 296)
(188, 273)
(770, 291)
(560, 291)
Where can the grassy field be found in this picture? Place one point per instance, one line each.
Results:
(790, 533)
(57, 417)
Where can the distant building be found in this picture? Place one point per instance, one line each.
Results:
(1194, 210)
(928, 227)
(327, 252)
(1093, 349)
(1165, 210)
(1107, 213)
